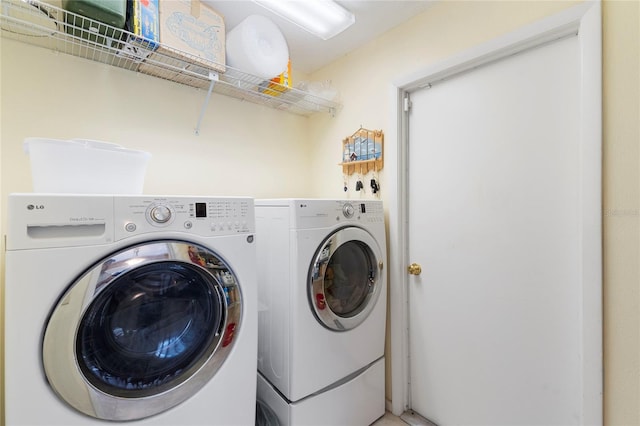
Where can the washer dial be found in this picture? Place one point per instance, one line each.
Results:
(348, 210)
(160, 214)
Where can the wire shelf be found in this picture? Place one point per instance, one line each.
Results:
(42, 24)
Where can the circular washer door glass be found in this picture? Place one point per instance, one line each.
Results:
(143, 330)
(345, 280)
(145, 333)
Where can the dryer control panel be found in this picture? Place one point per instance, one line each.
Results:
(204, 216)
(322, 213)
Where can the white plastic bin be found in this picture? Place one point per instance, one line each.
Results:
(83, 166)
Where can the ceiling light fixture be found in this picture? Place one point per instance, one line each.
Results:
(323, 18)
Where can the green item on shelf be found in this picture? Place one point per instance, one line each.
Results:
(113, 13)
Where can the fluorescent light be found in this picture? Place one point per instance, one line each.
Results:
(323, 18)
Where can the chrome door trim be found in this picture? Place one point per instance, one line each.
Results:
(59, 354)
(316, 288)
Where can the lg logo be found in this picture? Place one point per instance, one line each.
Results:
(35, 207)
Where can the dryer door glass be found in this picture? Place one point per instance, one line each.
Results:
(348, 278)
(344, 281)
(142, 330)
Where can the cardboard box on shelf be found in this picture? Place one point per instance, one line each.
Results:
(191, 27)
(192, 43)
(176, 68)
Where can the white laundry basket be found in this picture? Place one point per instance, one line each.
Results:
(83, 166)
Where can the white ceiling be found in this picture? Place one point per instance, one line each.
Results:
(309, 53)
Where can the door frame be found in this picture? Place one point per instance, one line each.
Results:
(584, 20)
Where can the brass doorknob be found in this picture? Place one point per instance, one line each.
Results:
(414, 269)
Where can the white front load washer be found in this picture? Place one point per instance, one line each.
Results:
(322, 309)
(130, 308)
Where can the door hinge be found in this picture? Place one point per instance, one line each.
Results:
(406, 103)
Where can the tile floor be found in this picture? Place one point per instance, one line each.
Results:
(389, 420)
(409, 418)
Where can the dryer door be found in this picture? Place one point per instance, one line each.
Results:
(345, 278)
(142, 330)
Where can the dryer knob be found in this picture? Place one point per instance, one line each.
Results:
(160, 214)
(348, 210)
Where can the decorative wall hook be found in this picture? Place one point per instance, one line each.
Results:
(362, 151)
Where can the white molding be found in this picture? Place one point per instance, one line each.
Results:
(585, 20)
(398, 297)
(591, 220)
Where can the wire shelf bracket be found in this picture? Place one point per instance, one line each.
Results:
(214, 77)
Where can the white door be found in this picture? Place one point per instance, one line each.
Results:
(494, 222)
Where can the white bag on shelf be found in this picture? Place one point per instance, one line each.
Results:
(256, 46)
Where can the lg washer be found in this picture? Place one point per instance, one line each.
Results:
(130, 308)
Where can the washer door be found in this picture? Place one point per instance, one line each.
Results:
(143, 330)
(345, 279)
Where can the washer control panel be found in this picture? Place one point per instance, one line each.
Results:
(205, 216)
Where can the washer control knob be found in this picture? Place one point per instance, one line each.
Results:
(160, 214)
(348, 210)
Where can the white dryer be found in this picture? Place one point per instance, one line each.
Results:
(322, 310)
(130, 308)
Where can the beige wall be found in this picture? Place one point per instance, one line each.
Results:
(621, 204)
(246, 149)
(242, 148)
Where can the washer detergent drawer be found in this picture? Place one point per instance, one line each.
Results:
(47, 221)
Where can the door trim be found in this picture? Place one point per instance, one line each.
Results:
(585, 21)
